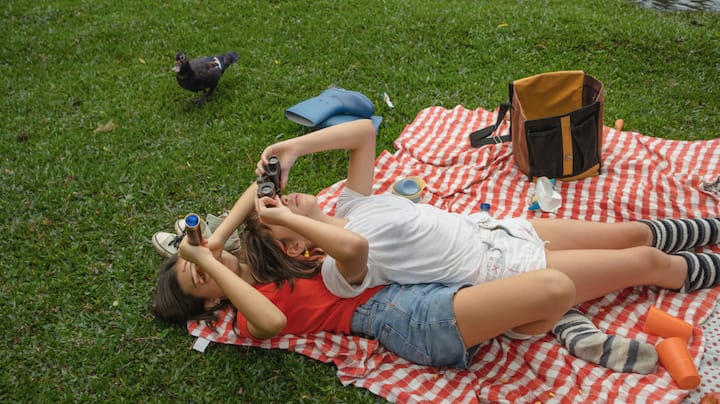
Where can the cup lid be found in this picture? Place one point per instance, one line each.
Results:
(407, 186)
(192, 220)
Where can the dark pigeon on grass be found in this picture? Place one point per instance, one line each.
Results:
(202, 74)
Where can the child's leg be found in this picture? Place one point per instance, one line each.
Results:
(672, 235)
(567, 234)
(599, 272)
(530, 303)
(668, 235)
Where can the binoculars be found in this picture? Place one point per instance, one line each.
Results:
(269, 182)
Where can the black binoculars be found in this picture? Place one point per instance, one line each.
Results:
(269, 182)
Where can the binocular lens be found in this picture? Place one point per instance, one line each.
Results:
(269, 182)
(273, 165)
(266, 189)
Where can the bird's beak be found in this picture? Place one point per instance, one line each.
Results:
(176, 68)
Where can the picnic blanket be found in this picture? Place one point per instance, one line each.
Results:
(643, 177)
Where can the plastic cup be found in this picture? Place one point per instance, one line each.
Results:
(619, 123)
(663, 324)
(675, 357)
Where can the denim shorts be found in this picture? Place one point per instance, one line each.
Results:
(416, 322)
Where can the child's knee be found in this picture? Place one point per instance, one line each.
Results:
(560, 289)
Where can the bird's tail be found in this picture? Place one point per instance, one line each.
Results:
(226, 59)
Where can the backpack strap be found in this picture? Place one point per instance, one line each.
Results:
(482, 136)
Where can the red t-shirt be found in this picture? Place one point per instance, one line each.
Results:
(310, 307)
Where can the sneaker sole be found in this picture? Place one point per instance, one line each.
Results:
(179, 227)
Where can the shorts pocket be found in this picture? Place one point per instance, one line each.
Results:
(398, 344)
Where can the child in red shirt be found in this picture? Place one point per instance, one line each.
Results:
(429, 324)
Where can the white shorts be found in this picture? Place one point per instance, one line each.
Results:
(513, 248)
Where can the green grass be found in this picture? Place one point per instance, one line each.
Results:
(77, 268)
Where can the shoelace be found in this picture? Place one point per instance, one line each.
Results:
(176, 241)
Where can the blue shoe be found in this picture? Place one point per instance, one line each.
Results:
(342, 118)
(332, 101)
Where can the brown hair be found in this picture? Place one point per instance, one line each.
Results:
(172, 305)
(267, 257)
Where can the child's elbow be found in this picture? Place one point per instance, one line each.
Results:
(272, 325)
(359, 247)
(352, 258)
(277, 323)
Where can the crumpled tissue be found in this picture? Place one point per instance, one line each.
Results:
(545, 198)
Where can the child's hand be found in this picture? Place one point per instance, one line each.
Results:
(287, 158)
(195, 255)
(271, 210)
(215, 245)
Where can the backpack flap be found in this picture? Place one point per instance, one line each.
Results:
(550, 94)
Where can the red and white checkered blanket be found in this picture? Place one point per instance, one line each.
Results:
(643, 177)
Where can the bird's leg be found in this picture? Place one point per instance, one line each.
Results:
(205, 96)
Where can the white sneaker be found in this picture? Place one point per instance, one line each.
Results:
(166, 244)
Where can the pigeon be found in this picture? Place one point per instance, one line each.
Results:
(202, 74)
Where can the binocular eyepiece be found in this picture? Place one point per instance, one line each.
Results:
(269, 182)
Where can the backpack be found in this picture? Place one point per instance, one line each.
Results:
(556, 125)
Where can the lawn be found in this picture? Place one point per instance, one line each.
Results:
(101, 148)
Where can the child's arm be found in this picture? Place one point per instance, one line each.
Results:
(242, 208)
(264, 319)
(357, 136)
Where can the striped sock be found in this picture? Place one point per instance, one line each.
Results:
(703, 271)
(672, 235)
(584, 340)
